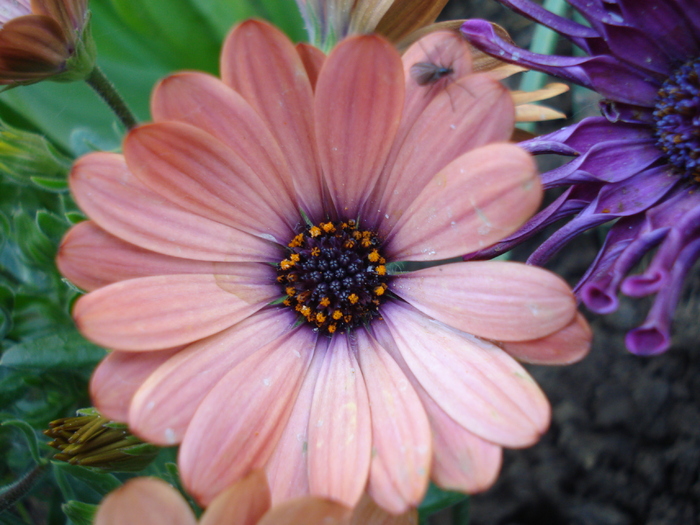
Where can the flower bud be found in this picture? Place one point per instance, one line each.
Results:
(45, 39)
(92, 440)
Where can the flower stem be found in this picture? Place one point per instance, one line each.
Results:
(13, 493)
(101, 84)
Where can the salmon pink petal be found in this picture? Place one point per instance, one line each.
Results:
(144, 501)
(163, 407)
(313, 59)
(475, 382)
(207, 103)
(119, 376)
(401, 440)
(196, 171)
(158, 312)
(358, 109)
(287, 470)
(368, 512)
(261, 63)
(462, 461)
(92, 258)
(119, 203)
(340, 427)
(477, 200)
(243, 503)
(241, 420)
(568, 345)
(500, 300)
(470, 112)
(307, 511)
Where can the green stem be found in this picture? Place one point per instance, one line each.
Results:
(17, 490)
(101, 84)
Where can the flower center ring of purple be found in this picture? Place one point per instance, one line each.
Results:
(677, 117)
(334, 276)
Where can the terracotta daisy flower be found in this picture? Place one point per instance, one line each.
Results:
(44, 38)
(266, 261)
(145, 501)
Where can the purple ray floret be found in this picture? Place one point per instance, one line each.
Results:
(637, 165)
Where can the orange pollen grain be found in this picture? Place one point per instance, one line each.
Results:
(353, 298)
(320, 317)
(324, 302)
(314, 231)
(373, 256)
(315, 251)
(337, 315)
(381, 270)
(290, 290)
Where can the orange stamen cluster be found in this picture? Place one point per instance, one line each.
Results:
(334, 276)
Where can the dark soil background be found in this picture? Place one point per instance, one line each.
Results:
(624, 444)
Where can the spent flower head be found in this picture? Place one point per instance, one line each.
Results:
(638, 164)
(272, 262)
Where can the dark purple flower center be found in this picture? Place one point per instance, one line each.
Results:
(677, 117)
(334, 276)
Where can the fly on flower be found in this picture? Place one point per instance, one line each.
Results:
(241, 260)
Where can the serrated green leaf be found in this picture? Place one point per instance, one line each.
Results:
(36, 248)
(437, 499)
(66, 349)
(58, 185)
(74, 217)
(52, 226)
(29, 435)
(79, 513)
(37, 315)
(101, 482)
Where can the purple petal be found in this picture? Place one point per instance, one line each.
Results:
(653, 337)
(568, 203)
(636, 194)
(623, 249)
(583, 135)
(666, 24)
(584, 37)
(610, 161)
(582, 222)
(617, 112)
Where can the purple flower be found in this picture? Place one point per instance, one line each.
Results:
(638, 164)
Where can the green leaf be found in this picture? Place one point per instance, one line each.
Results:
(285, 15)
(66, 349)
(36, 248)
(7, 301)
(58, 185)
(437, 499)
(79, 513)
(29, 435)
(100, 482)
(74, 217)
(52, 226)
